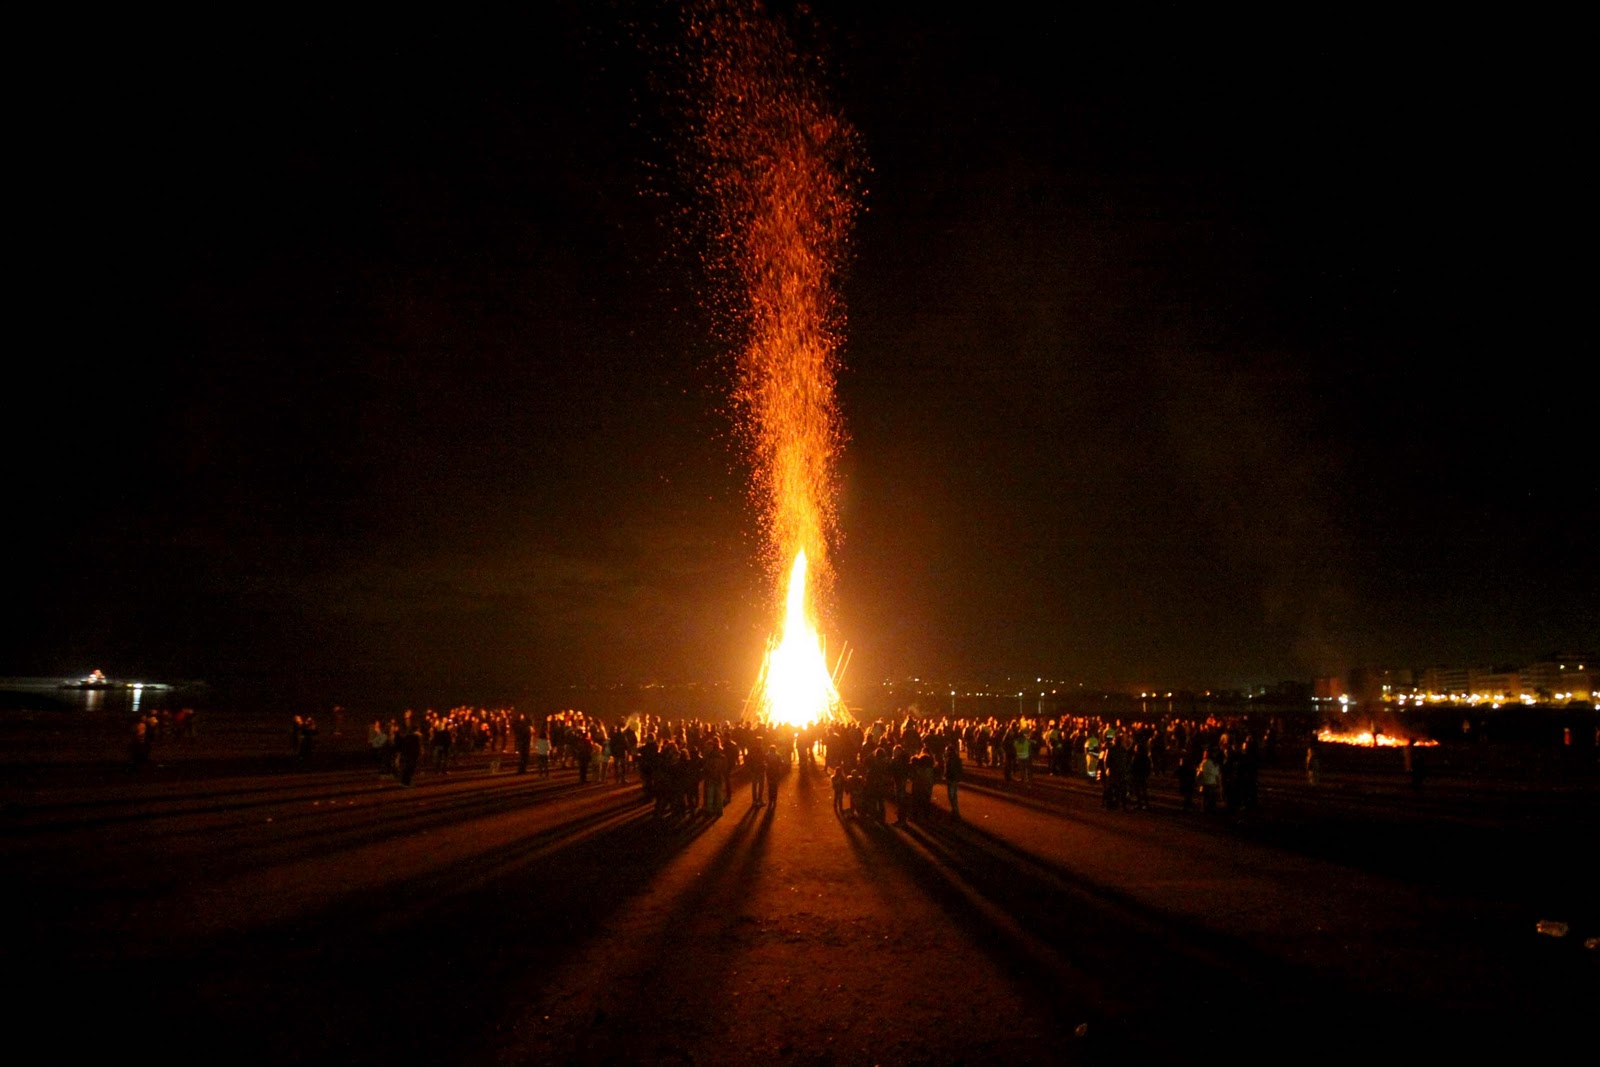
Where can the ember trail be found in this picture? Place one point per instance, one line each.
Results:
(775, 168)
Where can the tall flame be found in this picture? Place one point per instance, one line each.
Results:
(796, 685)
(777, 167)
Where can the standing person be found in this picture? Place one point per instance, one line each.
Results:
(410, 755)
(622, 746)
(713, 770)
(880, 783)
(774, 768)
(1209, 777)
(1024, 746)
(378, 743)
(1139, 776)
(694, 769)
(1114, 774)
(308, 738)
(900, 767)
(1186, 781)
(1313, 765)
(440, 740)
(1232, 790)
(663, 789)
(139, 744)
(1249, 776)
(583, 752)
(649, 760)
(953, 773)
(522, 737)
(922, 771)
(758, 775)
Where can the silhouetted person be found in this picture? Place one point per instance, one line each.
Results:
(541, 752)
(522, 736)
(308, 738)
(953, 773)
(1139, 777)
(879, 784)
(139, 745)
(1185, 775)
(583, 751)
(1209, 778)
(714, 770)
(758, 775)
(774, 767)
(922, 772)
(410, 755)
(441, 747)
(1118, 764)
(900, 768)
(1247, 776)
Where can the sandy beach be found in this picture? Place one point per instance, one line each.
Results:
(228, 896)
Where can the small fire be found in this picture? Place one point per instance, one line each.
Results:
(1366, 739)
(796, 687)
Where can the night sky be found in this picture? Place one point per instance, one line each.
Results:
(1177, 353)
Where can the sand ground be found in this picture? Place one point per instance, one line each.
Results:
(228, 898)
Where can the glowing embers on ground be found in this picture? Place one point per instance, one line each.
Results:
(1366, 739)
(796, 688)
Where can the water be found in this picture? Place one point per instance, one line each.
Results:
(44, 723)
(59, 694)
(53, 700)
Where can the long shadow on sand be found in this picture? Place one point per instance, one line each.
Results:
(418, 968)
(1144, 983)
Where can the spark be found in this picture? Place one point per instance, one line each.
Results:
(777, 168)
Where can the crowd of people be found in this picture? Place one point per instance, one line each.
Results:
(155, 727)
(687, 767)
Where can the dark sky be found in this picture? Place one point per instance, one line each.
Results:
(1178, 353)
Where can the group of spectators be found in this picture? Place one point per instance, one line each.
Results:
(401, 746)
(159, 725)
(688, 766)
(1215, 760)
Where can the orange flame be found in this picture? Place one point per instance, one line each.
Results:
(1365, 739)
(777, 168)
(795, 684)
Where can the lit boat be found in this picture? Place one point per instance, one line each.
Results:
(94, 680)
